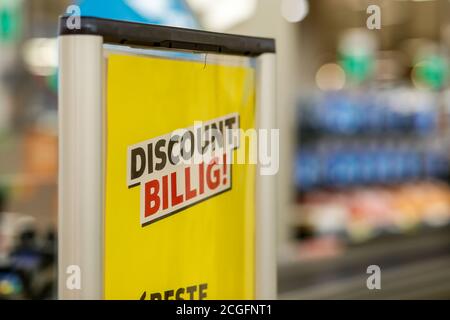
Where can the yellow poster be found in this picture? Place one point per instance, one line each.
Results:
(177, 226)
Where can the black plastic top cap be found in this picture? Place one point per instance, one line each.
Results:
(156, 36)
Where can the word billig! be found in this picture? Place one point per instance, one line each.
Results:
(169, 177)
(182, 186)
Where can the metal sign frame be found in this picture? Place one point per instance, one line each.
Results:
(82, 140)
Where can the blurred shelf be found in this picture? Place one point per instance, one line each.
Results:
(412, 266)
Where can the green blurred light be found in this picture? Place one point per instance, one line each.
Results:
(10, 23)
(433, 72)
(357, 67)
(52, 82)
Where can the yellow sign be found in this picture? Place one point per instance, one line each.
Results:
(177, 228)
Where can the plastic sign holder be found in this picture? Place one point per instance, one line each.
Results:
(134, 224)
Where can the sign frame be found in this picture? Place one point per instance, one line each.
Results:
(82, 106)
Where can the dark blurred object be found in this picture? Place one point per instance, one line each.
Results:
(34, 263)
(11, 283)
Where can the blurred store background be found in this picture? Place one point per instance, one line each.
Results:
(365, 143)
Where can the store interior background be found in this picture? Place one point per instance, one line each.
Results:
(365, 144)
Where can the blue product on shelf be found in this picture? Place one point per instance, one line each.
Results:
(399, 160)
(307, 170)
(354, 167)
(374, 118)
(382, 166)
(332, 174)
(390, 120)
(425, 122)
(340, 114)
(436, 164)
(367, 165)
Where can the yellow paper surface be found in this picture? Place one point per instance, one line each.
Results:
(208, 247)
